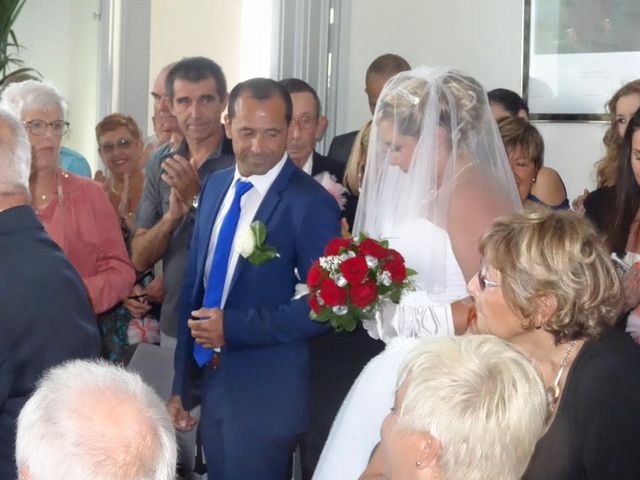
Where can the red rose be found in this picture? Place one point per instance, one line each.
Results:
(396, 255)
(334, 246)
(332, 294)
(372, 248)
(314, 276)
(313, 303)
(396, 269)
(364, 294)
(354, 270)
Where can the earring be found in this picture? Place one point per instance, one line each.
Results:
(534, 180)
(418, 464)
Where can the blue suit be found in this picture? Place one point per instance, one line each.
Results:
(257, 402)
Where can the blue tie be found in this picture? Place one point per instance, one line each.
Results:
(220, 263)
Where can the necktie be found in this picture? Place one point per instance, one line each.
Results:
(220, 263)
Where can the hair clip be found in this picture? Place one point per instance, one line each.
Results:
(403, 92)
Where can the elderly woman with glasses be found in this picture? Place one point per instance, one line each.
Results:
(548, 286)
(75, 211)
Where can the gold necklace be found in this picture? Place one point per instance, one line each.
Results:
(553, 391)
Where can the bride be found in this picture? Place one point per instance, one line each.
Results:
(437, 175)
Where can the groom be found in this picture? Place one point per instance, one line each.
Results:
(239, 319)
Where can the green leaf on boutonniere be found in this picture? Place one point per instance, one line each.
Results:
(262, 252)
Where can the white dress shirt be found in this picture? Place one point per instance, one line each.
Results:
(308, 165)
(249, 204)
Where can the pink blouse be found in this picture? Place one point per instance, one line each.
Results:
(83, 224)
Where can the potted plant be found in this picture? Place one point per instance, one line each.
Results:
(9, 46)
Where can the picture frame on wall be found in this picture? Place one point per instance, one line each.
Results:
(576, 54)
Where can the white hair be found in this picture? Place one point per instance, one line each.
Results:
(15, 156)
(481, 399)
(21, 97)
(93, 420)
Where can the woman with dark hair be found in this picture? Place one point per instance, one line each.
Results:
(507, 103)
(614, 210)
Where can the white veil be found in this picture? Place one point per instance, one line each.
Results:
(458, 156)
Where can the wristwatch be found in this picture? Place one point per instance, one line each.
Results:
(195, 202)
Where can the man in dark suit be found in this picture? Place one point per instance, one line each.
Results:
(255, 385)
(336, 358)
(307, 128)
(380, 70)
(45, 314)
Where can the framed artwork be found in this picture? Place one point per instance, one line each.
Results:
(576, 54)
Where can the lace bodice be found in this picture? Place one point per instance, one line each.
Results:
(425, 311)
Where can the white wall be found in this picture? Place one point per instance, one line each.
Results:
(211, 28)
(482, 38)
(61, 38)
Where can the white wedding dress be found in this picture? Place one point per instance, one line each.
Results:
(356, 428)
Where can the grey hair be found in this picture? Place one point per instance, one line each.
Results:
(91, 419)
(481, 399)
(15, 156)
(32, 95)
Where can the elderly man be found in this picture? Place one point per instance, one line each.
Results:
(94, 420)
(380, 70)
(165, 124)
(307, 127)
(242, 332)
(197, 92)
(45, 314)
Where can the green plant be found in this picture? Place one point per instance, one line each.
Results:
(9, 46)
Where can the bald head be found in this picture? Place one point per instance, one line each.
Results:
(164, 123)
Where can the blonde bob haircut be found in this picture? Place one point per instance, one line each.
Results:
(481, 399)
(544, 254)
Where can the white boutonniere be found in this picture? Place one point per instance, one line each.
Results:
(250, 244)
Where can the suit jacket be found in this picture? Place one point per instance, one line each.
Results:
(336, 168)
(264, 367)
(327, 164)
(45, 317)
(341, 146)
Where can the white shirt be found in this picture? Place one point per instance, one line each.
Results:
(308, 165)
(249, 204)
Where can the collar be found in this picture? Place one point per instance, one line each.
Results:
(308, 165)
(263, 182)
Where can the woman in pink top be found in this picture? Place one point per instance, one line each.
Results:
(75, 211)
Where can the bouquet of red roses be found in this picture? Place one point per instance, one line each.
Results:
(350, 282)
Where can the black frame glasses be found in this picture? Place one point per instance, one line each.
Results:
(39, 127)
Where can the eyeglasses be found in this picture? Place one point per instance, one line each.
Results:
(121, 144)
(484, 282)
(304, 122)
(39, 127)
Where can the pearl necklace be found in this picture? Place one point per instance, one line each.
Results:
(553, 391)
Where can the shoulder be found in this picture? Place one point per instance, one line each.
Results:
(607, 369)
(322, 163)
(74, 183)
(548, 187)
(217, 179)
(345, 137)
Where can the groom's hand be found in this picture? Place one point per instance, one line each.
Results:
(206, 327)
(179, 416)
